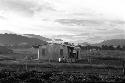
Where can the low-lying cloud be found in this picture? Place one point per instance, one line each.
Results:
(89, 22)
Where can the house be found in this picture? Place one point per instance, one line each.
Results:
(58, 51)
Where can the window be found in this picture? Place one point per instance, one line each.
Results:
(61, 52)
(43, 52)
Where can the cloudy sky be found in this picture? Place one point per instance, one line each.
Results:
(71, 20)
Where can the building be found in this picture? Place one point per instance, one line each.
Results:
(56, 51)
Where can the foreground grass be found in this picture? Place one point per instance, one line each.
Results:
(53, 72)
(55, 66)
(55, 77)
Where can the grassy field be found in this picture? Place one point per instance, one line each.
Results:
(80, 66)
(100, 58)
(104, 63)
(103, 53)
(45, 72)
(55, 77)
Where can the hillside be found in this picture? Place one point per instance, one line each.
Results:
(114, 42)
(41, 37)
(4, 50)
(84, 44)
(38, 37)
(15, 40)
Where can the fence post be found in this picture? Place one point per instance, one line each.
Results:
(123, 65)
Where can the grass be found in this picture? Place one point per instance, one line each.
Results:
(58, 72)
(55, 77)
(103, 62)
(17, 56)
(45, 72)
(104, 53)
(71, 67)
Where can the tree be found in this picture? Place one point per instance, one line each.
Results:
(118, 47)
(111, 47)
(123, 48)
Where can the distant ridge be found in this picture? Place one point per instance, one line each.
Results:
(84, 44)
(38, 37)
(114, 42)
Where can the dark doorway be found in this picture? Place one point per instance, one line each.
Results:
(61, 52)
(70, 51)
(77, 54)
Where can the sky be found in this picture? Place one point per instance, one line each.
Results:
(71, 20)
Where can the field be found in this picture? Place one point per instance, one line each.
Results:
(31, 71)
(104, 53)
(97, 66)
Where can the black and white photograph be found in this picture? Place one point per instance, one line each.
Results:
(62, 41)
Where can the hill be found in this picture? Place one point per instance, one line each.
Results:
(4, 50)
(84, 44)
(114, 42)
(41, 37)
(14, 40)
(38, 37)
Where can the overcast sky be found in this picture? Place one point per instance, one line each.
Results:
(71, 20)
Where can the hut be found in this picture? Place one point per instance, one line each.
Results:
(52, 52)
(58, 51)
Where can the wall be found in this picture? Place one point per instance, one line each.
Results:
(52, 52)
